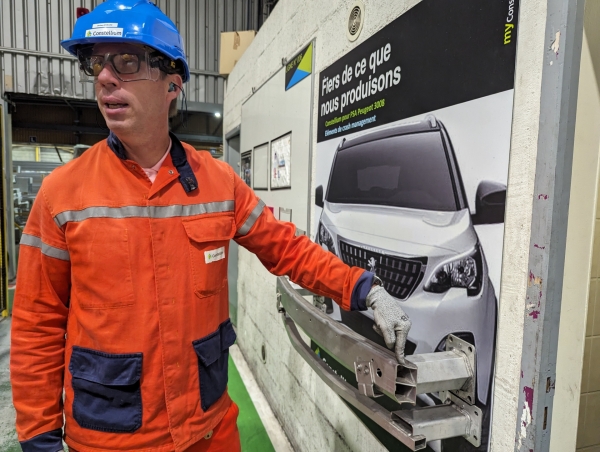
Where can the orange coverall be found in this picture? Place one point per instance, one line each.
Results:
(122, 298)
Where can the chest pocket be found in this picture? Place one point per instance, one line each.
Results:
(101, 266)
(209, 248)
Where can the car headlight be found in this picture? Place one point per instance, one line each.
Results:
(325, 239)
(465, 272)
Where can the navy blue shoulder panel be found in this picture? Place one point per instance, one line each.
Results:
(186, 175)
(46, 442)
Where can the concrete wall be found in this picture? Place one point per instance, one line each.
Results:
(312, 416)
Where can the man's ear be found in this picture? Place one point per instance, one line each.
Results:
(176, 81)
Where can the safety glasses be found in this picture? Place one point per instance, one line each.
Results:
(127, 66)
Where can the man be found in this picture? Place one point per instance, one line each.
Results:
(122, 284)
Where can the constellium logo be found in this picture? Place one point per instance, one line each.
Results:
(111, 32)
(214, 255)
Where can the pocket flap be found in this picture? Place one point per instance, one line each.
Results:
(211, 347)
(210, 229)
(105, 368)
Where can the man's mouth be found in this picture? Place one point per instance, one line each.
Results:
(114, 106)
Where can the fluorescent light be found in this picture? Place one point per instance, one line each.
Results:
(217, 114)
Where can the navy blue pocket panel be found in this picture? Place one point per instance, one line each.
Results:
(107, 390)
(213, 353)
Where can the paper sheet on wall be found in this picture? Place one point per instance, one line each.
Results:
(281, 161)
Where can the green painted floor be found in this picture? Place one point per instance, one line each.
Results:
(252, 432)
(253, 435)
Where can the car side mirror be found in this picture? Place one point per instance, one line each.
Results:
(490, 203)
(319, 196)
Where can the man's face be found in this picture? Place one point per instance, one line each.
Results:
(135, 106)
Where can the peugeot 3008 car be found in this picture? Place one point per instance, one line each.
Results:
(395, 205)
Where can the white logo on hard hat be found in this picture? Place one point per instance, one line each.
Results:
(110, 32)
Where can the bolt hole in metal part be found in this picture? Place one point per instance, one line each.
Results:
(379, 373)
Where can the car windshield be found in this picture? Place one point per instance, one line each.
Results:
(402, 171)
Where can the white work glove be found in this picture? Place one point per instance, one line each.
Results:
(391, 321)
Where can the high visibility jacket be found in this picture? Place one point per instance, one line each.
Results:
(122, 299)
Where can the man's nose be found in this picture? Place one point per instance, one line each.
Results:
(107, 75)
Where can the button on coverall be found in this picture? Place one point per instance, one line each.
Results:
(122, 299)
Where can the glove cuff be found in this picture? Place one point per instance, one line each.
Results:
(372, 295)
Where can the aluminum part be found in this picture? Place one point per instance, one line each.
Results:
(450, 373)
(468, 352)
(364, 404)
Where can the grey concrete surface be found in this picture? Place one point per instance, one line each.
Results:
(8, 434)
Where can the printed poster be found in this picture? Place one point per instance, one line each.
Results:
(412, 155)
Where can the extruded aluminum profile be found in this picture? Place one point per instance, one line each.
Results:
(384, 374)
(397, 428)
(378, 373)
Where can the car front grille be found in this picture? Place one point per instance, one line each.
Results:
(400, 275)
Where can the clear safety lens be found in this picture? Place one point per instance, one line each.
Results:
(126, 66)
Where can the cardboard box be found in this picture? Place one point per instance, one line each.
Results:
(233, 46)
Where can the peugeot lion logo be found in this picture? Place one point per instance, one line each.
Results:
(372, 264)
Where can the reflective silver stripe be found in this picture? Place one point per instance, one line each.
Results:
(57, 253)
(143, 212)
(252, 218)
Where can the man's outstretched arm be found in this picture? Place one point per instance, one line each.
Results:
(307, 264)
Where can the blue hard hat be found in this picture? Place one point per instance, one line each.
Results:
(133, 21)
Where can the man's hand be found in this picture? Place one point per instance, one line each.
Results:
(390, 320)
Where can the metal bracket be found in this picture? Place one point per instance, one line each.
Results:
(365, 378)
(319, 303)
(474, 414)
(456, 344)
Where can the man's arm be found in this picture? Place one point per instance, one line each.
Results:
(320, 271)
(39, 321)
(282, 253)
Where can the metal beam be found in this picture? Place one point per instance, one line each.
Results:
(371, 409)
(199, 138)
(376, 368)
(60, 127)
(200, 107)
(46, 101)
(558, 100)
(377, 371)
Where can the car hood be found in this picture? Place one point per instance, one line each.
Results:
(406, 231)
